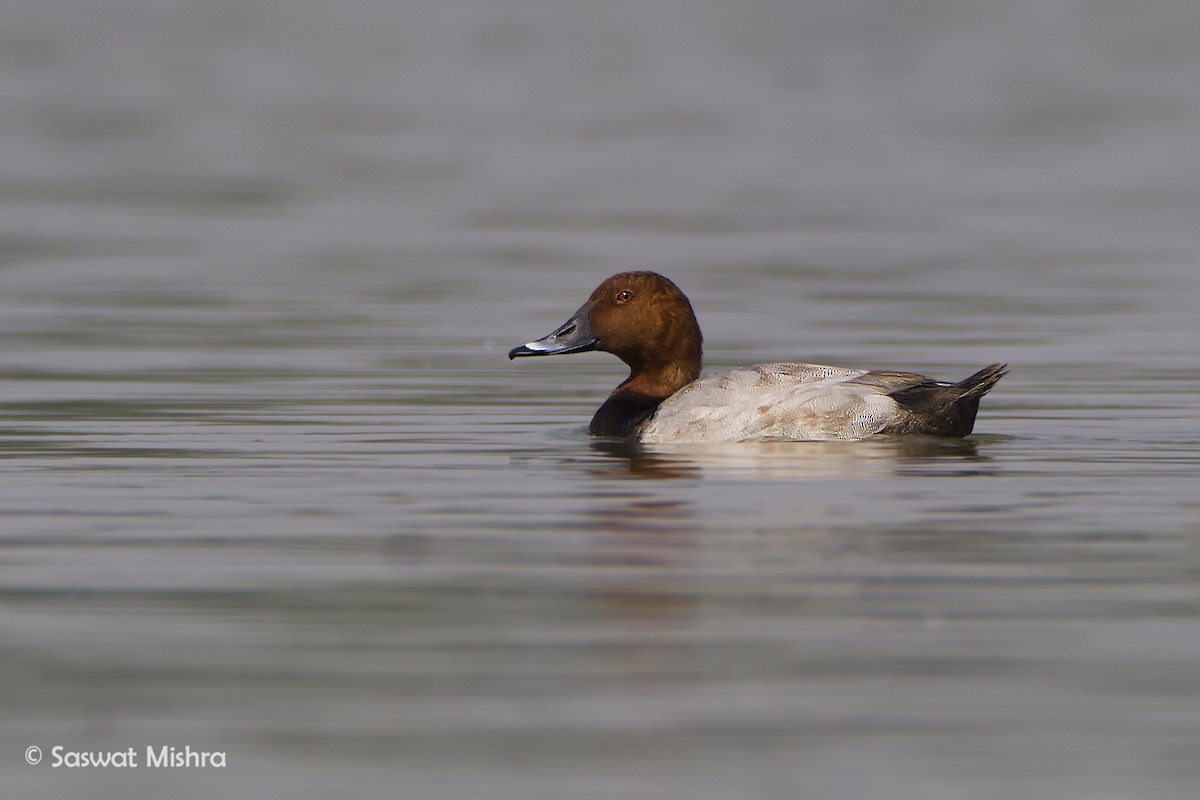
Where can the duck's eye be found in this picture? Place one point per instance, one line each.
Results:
(624, 296)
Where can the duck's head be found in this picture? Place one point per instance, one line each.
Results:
(640, 317)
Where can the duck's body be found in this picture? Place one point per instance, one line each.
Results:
(814, 402)
(646, 321)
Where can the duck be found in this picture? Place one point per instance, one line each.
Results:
(647, 322)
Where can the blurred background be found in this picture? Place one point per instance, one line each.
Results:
(268, 485)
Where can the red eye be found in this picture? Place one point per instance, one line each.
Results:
(624, 296)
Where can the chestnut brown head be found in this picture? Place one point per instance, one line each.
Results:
(640, 317)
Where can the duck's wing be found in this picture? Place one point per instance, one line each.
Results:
(774, 401)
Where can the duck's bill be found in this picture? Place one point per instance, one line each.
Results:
(573, 336)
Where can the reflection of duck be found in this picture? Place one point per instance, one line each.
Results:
(883, 457)
(647, 322)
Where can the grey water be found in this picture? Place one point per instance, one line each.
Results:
(270, 488)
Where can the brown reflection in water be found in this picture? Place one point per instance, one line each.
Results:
(644, 552)
(628, 458)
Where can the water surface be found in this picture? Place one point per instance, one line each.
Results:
(269, 486)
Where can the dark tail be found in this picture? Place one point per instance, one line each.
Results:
(945, 409)
(981, 382)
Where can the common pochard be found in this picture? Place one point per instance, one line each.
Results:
(646, 321)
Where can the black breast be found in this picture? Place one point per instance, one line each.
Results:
(622, 414)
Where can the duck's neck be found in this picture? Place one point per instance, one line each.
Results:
(660, 380)
(638, 397)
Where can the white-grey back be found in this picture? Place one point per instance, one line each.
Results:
(772, 401)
